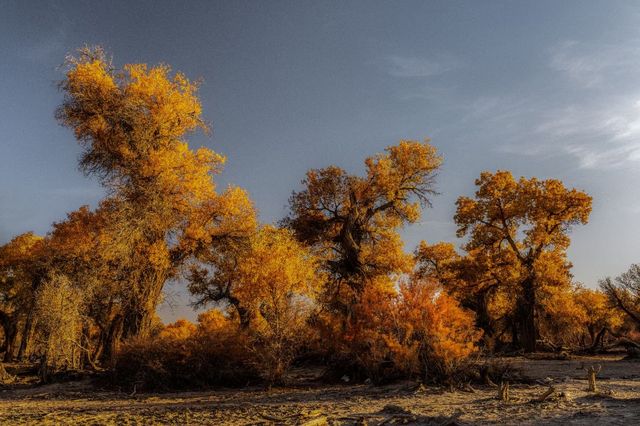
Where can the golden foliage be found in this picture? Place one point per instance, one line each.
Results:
(519, 230)
(419, 331)
(270, 282)
(132, 124)
(59, 309)
(353, 221)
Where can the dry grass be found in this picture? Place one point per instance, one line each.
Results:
(617, 403)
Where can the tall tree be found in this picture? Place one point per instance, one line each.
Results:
(132, 124)
(523, 226)
(354, 220)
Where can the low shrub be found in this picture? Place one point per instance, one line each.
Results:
(186, 356)
(418, 332)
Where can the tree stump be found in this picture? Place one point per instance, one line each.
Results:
(503, 391)
(591, 377)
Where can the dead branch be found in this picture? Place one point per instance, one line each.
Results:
(547, 394)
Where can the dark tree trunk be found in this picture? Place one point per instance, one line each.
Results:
(483, 319)
(526, 316)
(110, 340)
(592, 334)
(9, 326)
(243, 313)
(26, 337)
(598, 341)
(137, 322)
(11, 333)
(515, 341)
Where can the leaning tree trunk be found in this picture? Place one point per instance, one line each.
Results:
(514, 327)
(526, 316)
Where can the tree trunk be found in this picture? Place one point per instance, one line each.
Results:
(26, 337)
(526, 316)
(515, 341)
(142, 307)
(592, 334)
(137, 322)
(10, 329)
(483, 319)
(10, 345)
(598, 340)
(110, 341)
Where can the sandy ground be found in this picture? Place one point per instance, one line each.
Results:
(617, 403)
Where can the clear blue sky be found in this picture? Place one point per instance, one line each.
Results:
(542, 88)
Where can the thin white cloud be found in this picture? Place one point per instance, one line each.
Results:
(597, 134)
(590, 65)
(596, 120)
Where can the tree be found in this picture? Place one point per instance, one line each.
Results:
(270, 283)
(22, 270)
(600, 318)
(418, 331)
(561, 318)
(59, 310)
(523, 226)
(353, 221)
(624, 292)
(132, 125)
(83, 249)
(471, 278)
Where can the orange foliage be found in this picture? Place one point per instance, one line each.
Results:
(520, 227)
(353, 221)
(270, 282)
(420, 331)
(132, 124)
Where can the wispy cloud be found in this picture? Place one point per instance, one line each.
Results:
(595, 119)
(413, 66)
(590, 65)
(601, 129)
(599, 135)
